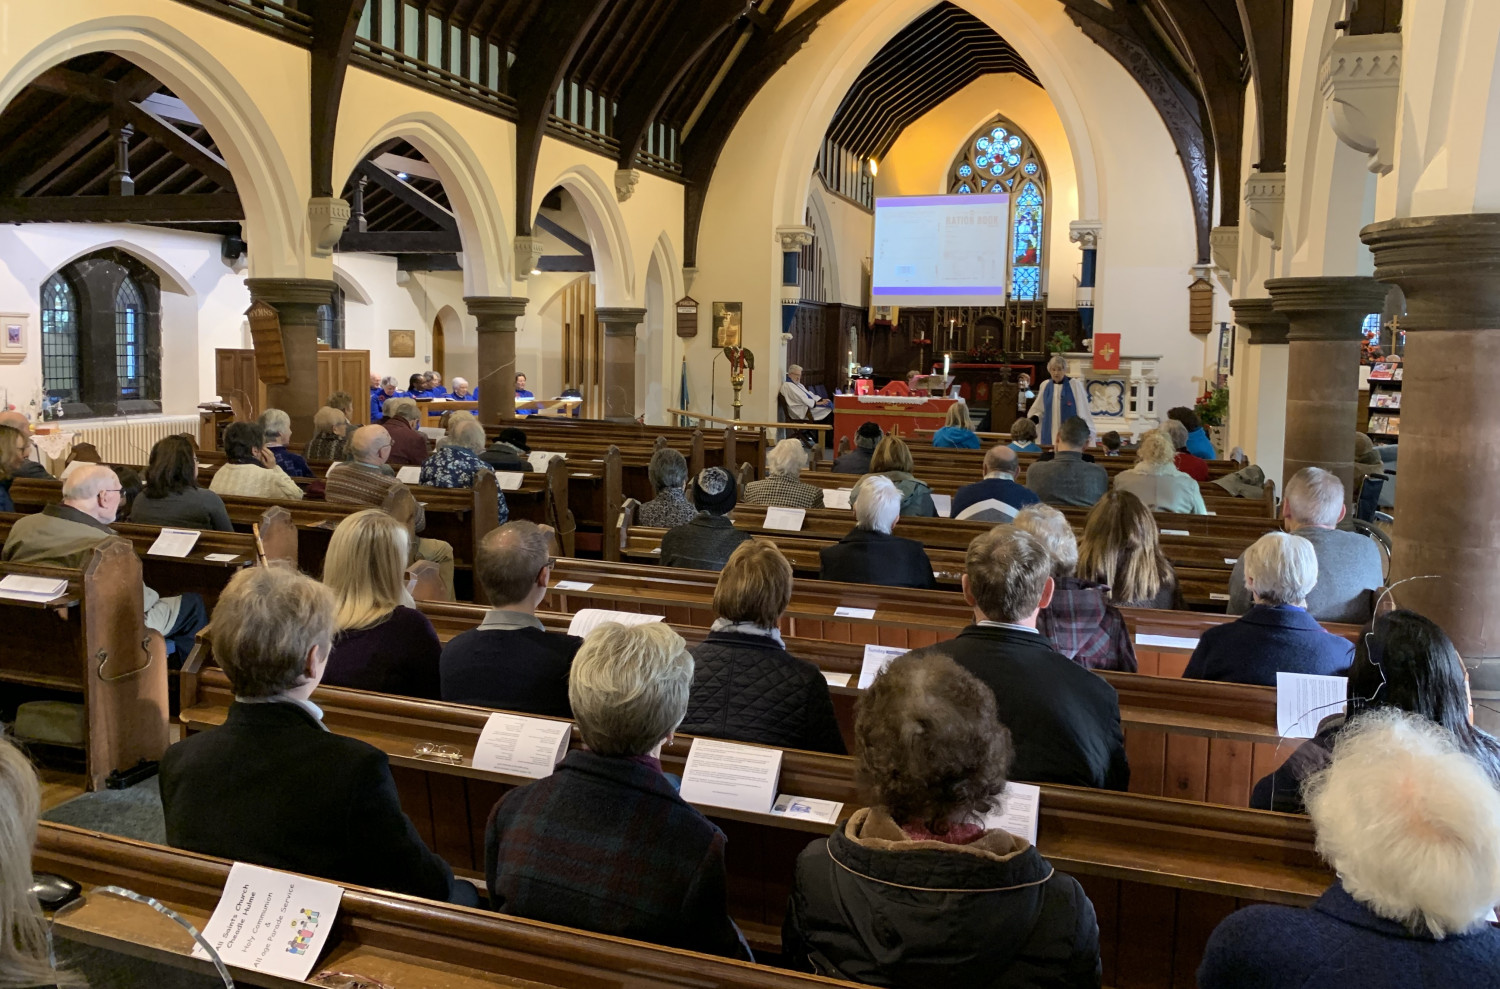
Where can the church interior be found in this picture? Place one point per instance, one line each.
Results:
(695, 292)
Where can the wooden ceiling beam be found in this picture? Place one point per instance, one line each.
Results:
(402, 242)
(334, 23)
(408, 196)
(181, 145)
(1267, 26)
(122, 209)
(80, 85)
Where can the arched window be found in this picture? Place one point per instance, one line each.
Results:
(129, 333)
(1000, 159)
(331, 321)
(59, 339)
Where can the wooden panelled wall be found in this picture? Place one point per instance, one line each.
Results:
(820, 334)
(583, 345)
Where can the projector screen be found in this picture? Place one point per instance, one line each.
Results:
(940, 250)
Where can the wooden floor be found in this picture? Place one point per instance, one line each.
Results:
(59, 787)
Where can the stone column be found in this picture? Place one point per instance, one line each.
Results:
(1449, 491)
(496, 351)
(619, 361)
(1262, 380)
(1322, 391)
(1085, 233)
(296, 301)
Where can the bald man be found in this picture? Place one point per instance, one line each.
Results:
(29, 467)
(64, 535)
(998, 497)
(366, 480)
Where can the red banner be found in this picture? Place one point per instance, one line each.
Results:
(1106, 351)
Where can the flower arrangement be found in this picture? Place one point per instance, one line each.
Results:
(1213, 406)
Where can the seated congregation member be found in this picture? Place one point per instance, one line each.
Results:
(706, 542)
(1121, 548)
(998, 497)
(341, 400)
(379, 643)
(418, 387)
(782, 487)
(1064, 719)
(457, 464)
(509, 451)
(379, 396)
(64, 535)
(892, 460)
(1404, 662)
(27, 467)
(857, 460)
(914, 891)
(277, 426)
(25, 959)
(367, 480)
(250, 470)
(1080, 622)
(511, 661)
(1194, 467)
(1159, 485)
(1111, 442)
(1198, 443)
(1066, 479)
(172, 496)
(869, 554)
(408, 446)
(330, 442)
(668, 473)
(746, 686)
(461, 391)
(802, 402)
(1276, 635)
(272, 785)
(450, 422)
(605, 843)
(523, 396)
(958, 429)
(1023, 436)
(1349, 567)
(1410, 823)
(12, 455)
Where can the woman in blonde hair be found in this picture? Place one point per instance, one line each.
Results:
(12, 455)
(958, 429)
(23, 932)
(1156, 480)
(1121, 547)
(380, 643)
(892, 458)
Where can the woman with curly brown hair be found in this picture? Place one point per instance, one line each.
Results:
(915, 890)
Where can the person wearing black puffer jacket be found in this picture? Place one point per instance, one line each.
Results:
(918, 890)
(746, 686)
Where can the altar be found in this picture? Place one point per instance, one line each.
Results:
(908, 413)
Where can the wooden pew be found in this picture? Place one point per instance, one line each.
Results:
(92, 641)
(1135, 853)
(703, 448)
(389, 939)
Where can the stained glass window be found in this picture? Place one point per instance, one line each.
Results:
(1000, 158)
(60, 339)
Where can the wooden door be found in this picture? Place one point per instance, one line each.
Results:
(437, 350)
(351, 374)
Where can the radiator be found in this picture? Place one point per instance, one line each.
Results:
(122, 440)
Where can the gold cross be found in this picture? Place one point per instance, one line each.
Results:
(1107, 353)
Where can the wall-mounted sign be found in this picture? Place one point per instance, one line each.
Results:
(687, 317)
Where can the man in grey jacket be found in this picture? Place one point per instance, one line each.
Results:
(1349, 568)
(1067, 479)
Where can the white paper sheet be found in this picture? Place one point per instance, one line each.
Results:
(837, 498)
(876, 659)
(571, 585)
(410, 474)
(1302, 700)
(944, 505)
(1175, 532)
(540, 459)
(843, 612)
(20, 587)
(727, 774)
(786, 519)
(272, 922)
(837, 679)
(509, 480)
(588, 619)
(1017, 814)
(1231, 560)
(1218, 597)
(521, 746)
(1166, 642)
(807, 808)
(174, 542)
(222, 557)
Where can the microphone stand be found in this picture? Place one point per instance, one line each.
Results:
(713, 379)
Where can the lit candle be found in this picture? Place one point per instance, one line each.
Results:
(945, 365)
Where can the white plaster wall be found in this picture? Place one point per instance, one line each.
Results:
(408, 300)
(848, 233)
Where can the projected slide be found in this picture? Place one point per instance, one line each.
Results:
(940, 250)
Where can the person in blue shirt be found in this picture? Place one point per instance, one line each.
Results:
(1023, 436)
(998, 497)
(435, 385)
(462, 392)
(417, 386)
(1276, 635)
(522, 395)
(1198, 443)
(381, 395)
(958, 430)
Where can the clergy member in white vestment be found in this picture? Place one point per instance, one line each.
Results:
(799, 400)
(1059, 399)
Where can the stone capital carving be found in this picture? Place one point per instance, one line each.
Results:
(626, 179)
(1361, 82)
(794, 237)
(326, 218)
(1447, 266)
(620, 321)
(1259, 316)
(528, 255)
(284, 293)
(496, 312)
(1265, 196)
(1328, 307)
(1224, 242)
(1085, 233)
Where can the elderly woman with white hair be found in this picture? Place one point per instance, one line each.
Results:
(330, 442)
(570, 849)
(278, 429)
(869, 554)
(782, 486)
(1277, 635)
(1156, 480)
(1411, 825)
(1059, 399)
(457, 464)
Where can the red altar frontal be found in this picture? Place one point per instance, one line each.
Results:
(907, 413)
